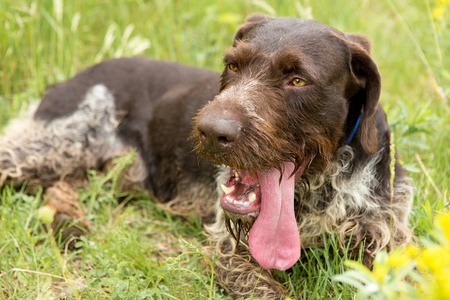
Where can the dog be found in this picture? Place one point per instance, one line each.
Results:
(287, 146)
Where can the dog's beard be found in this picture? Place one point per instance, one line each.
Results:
(239, 226)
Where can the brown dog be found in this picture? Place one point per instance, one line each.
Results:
(298, 143)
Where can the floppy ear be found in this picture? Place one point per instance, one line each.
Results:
(367, 77)
(360, 40)
(249, 24)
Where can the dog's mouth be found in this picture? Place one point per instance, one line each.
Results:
(268, 196)
(241, 193)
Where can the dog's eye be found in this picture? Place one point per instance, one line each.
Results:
(232, 67)
(298, 82)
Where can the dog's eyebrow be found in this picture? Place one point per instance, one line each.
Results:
(228, 58)
(242, 54)
(289, 62)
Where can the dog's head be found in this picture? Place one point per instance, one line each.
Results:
(291, 94)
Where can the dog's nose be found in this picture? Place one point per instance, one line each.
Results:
(218, 134)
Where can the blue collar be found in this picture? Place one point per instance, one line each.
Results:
(350, 138)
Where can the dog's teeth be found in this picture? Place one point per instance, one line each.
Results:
(252, 197)
(227, 190)
(237, 175)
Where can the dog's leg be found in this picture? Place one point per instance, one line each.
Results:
(43, 152)
(40, 154)
(70, 219)
(240, 275)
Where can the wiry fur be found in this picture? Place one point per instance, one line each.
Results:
(235, 268)
(352, 209)
(193, 200)
(338, 203)
(42, 152)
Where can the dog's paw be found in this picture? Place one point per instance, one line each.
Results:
(69, 217)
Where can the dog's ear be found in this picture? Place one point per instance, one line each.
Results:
(367, 77)
(360, 40)
(249, 24)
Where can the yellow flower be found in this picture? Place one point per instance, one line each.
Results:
(412, 251)
(435, 260)
(436, 287)
(438, 12)
(443, 221)
(398, 258)
(380, 271)
(440, 8)
(442, 2)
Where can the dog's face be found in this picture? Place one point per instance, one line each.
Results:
(291, 93)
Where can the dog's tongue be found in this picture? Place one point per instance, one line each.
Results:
(274, 239)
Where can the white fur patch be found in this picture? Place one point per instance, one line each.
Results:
(42, 152)
(354, 192)
(244, 95)
(353, 205)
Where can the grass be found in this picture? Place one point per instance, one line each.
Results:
(46, 41)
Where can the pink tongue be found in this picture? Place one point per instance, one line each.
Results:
(274, 238)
